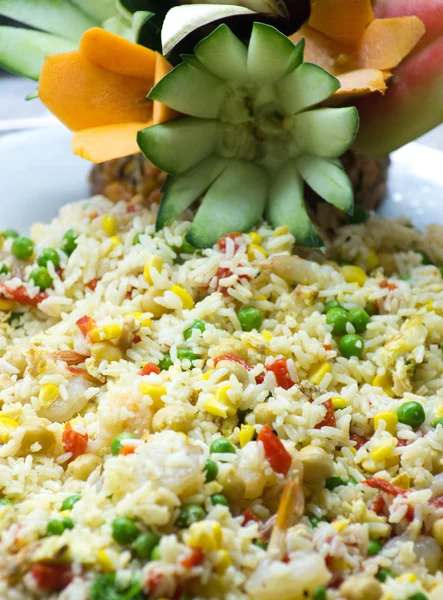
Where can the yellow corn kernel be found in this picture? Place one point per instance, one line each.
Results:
(283, 230)
(317, 373)
(352, 450)
(48, 395)
(254, 251)
(390, 418)
(429, 306)
(256, 238)
(105, 562)
(369, 466)
(338, 403)
(439, 412)
(391, 461)
(382, 451)
(146, 323)
(205, 534)
(7, 426)
(221, 394)
(246, 434)
(106, 351)
(385, 383)
(186, 298)
(402, 481)
(338, 564)
(206, 375)
(406, 578)
(136, 315)
(115, 241)
(223, 562)
(155, 392)
(372, 260)
(267, 335)
(110, 225)
(353, 274)
(6, 305)
(155, 262)
(217, 409)
(340, 524)
(107, 332)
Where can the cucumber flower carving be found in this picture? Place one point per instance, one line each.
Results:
(253, 135)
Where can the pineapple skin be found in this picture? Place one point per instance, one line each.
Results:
(136, 180)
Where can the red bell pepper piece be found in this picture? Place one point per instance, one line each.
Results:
(149, 368)
(358, 439)
(378, 505)
(437, 502)
(50, 578)
(275, 452)
(384, 486)
(74, 442)
(194, 557)
(388, 286)
(86, 325)
(280, 370)
(236, 237)
(20, 295)
(249, 516)
(127, 450)
(329, 420)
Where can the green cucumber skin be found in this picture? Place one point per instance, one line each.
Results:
(235, 202)
(190, 91)
(181, 191)
(223, 55)
(286, 207)
(326, 132)
(22, 51)
(328, 180)
(307, 86)
(192, 139)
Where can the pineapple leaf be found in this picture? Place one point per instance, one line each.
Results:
(99, 10)
(53, 16)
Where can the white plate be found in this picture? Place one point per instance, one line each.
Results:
(38, 174)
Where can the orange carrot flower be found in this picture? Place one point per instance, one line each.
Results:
(99, 92)
(345, 38)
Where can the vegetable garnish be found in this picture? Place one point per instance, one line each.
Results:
(252, 135)
(276, 454)
(345, 38)
(99, 92)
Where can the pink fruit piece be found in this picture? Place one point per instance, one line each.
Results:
(412, 106)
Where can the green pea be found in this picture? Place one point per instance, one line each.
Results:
(69, 502)
(384, 573)
(55, 527)
(69, 242)
(250, 318)
(412, 414)
(165, 362)
(9, 233)
(374, 548)
(124, 530)
(145, 543)
(332, 304)
(22, 248)
(314, 521)
(190, 513)
(320, 593)
(136, 239)
(438, 422)
(49, 255)
(358, 216)
(260, 544)
(41, 278)
(185, 353)
(222, 446)
(116, 444)
(68, 523)
(4, 270)
(352, 345)
(405, 277)
(211, 470)
(338, 318)
(156, 553)
(335, 482)
(219, 499)
(200, 325)
(359, 319)
(15, 316)
(425, 260)
(352, 480)
(5, 502)
(417, 596)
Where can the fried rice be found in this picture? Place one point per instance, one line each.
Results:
(141, 335)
